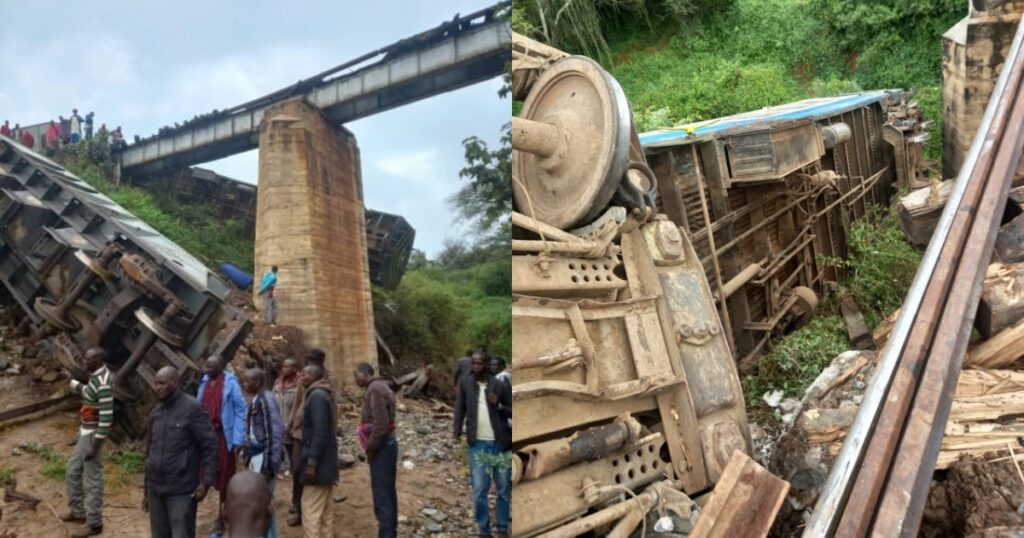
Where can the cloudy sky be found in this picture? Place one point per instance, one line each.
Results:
(145, 64)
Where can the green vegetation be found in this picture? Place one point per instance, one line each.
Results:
(56, 465)
(880, 266)
(796, 360)
(879, 271)
(6, 476)
(711, 59)
(197, 228)
(128, 465)
(130, 461)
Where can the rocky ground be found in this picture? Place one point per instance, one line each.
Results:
(433, 489)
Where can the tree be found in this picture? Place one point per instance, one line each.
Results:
(486, 199)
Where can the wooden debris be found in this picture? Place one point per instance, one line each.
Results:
(407, 378)
(414, 389)
(860, 335)
(1002, 298)
(11, 494)
(884, 329)
(414, 383)
(827, 425)
(387, 350)
(983, 401)
(999, 351)
(979, 408)
(743, 503)
(976, 439)
(982, 382)
(920, 210)
(1009, 247)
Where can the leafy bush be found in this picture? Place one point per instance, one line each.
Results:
(130, 461)
(796, 360)
(6, 476)
(881, 266)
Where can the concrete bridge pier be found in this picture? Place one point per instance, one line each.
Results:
(310, 223)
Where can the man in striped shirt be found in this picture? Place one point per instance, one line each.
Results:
(85, 500)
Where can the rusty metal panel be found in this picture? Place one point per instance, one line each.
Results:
(772, 154)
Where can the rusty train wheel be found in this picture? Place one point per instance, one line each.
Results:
(574, 184)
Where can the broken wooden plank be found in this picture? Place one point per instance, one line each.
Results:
(827, 424)
(11, 494)
(920, 210)
(861, 362)
(1009, 247)
(1002, 298)
(884, 329)
(984, 382)
(979, 408)
(409, 377)
(414, 389)
(999, 351)
(20, 411)
(743, 503)
(387, 350)
(860, 334)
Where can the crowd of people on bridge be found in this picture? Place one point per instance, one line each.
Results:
(63, 132)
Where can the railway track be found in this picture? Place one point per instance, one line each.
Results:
(879, 483)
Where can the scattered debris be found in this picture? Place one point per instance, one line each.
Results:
(860, 334)
(920, 211)
(12, 494)
(1002, 298)
(743, 503)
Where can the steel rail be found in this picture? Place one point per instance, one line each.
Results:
(846, 496)
(902, 505)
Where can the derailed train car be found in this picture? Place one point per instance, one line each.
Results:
(627, 398)
(624, 384)
(88, 273)
(779, 188)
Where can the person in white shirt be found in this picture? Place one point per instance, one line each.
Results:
(484, 408)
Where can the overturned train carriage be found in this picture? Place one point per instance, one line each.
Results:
(778, 188)
(88, 273)
(626, 389)
(624, 381)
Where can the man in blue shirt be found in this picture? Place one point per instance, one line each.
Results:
(267, 286)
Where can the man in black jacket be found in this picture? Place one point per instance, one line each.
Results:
(484, 407)
(180, 437)
(319, 453)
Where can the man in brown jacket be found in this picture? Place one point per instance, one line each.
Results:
(377, 436)
(316, 357)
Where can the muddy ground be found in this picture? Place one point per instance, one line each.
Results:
(433, 491)
(972, 497)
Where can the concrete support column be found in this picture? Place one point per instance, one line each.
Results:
(973, 52)
(310, 223)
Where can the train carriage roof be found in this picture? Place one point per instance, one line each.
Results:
(808, 109)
